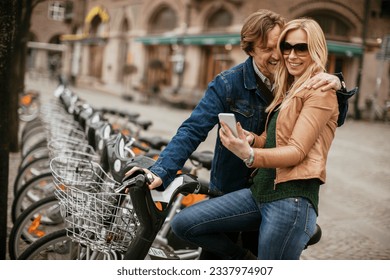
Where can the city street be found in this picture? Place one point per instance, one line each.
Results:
(354, 209)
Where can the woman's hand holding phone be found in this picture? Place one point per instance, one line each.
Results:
(238, 140)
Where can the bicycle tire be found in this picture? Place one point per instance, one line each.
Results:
(28, 118)
(31, 129)
(32, 191)
(30, 125)
(59, 246)
(31, 132)
(34, 223)
(39, 141)
(39, 152)
(55, 243)
(34, 168)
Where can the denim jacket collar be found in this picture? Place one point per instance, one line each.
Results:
(249, 75)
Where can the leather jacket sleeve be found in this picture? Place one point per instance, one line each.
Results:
(260, 140)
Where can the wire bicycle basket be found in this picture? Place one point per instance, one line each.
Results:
(95, 215)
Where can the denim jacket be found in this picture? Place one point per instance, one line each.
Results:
(232, 91)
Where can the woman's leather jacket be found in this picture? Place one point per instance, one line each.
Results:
(305, 129)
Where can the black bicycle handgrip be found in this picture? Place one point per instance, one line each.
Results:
(215, 193)
(207, 191)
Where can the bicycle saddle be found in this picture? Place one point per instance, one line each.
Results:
(316, 236)
(205, 158)
(156, 142)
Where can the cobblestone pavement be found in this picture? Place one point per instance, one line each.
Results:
(354, 202)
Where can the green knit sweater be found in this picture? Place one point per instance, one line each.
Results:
(263, 188)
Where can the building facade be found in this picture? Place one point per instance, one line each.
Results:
(174, 48)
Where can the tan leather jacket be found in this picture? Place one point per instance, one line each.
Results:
(305, 129)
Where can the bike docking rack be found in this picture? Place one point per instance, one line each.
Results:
(103, 216)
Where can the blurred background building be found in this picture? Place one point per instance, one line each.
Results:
(171, 49)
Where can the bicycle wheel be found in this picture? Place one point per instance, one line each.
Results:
(30, 125)
(33, 169)
(39, 152)
(59, 246)
(32, 143)
(35, 189)
(31, 132)
(54, 246)
(40, 219)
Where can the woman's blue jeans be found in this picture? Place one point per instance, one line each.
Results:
(285, 226)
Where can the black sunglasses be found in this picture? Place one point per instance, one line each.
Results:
(299, 49)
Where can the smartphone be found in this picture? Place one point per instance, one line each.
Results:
(230, 120)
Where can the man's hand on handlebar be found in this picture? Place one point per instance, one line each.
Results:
(153, 180)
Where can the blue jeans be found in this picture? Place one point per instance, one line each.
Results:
(285, 226)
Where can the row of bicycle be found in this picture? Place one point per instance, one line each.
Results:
(72, 199)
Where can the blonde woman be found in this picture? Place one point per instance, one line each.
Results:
(290, 157)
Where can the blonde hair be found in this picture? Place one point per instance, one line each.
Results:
(284, 82)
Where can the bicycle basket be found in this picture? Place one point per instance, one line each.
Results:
(95, 215)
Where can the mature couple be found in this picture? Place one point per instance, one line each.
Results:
(287, 111)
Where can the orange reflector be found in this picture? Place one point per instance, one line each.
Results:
(192, 198)
(33, 228)
(26, 100)
(136, 151)
(158, 205)
(35, 224)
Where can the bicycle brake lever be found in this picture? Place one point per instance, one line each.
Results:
(138, 180)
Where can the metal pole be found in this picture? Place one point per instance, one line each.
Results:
(7, 19)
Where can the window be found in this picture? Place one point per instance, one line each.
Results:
(219, 20)
(96, 25)
(385, 8)
(333, 27)
(56, 10)
(164, 20)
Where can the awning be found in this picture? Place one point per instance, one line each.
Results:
(204, 39)
(347, 49)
